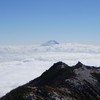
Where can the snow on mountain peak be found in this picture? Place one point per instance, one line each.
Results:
(50, 42)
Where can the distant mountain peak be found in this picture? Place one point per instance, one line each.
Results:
(50, 42)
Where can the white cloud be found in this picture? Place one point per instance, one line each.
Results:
(20, 64)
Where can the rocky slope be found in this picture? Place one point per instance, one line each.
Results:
(61, 82)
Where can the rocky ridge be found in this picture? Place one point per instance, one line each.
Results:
(61, 82)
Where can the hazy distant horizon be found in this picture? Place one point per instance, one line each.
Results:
(40, 43)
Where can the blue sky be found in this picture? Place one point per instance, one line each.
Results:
(36, 21)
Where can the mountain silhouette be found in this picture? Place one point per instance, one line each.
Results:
(50, 43)
(61, 82)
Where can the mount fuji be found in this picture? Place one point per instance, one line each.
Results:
(50, 42)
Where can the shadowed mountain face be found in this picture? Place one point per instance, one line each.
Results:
(61, 82)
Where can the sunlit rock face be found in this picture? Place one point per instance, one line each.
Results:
(61, 82)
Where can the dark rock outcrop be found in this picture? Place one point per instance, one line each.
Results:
(61, 82)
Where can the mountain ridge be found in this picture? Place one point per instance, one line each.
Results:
(61, 82)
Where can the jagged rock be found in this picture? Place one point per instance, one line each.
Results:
(61, 82)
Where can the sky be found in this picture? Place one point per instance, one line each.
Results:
(37, 21)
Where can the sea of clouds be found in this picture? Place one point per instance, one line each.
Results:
(21, 63)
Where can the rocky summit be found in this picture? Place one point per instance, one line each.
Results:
(61, 82)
